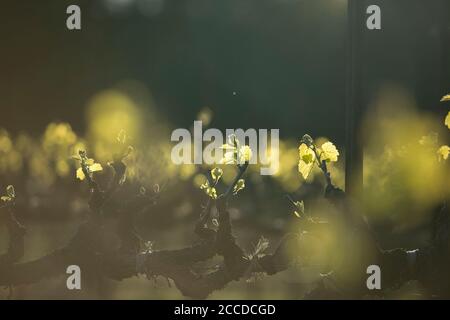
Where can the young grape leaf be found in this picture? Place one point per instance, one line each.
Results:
(443, 152)
(329, 152)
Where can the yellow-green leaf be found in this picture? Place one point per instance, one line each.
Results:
(95, 167)
(307, 155)
(75, 157)
(216, 174)
(443, 152)
(80, 174)
(6, 198)
(445, 98)
(329, 152)
(305, 168)
(430, 139)
(307, 158)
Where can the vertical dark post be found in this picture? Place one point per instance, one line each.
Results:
(444, 37)
(353, 148)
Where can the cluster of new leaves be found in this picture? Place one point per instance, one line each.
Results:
(311, 155)
(234, 154)
(210, 187)
(88, 165)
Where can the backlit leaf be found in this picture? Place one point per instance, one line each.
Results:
(329, 152)
(95, 167)
(443, 152)
(80, 174)
(305, 168)
(445, 98)
(447, 120)
(307, 155)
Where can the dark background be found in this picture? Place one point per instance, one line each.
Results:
(255, 63)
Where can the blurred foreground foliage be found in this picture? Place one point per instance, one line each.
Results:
(406, 177)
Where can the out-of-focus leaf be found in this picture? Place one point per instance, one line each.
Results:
(445, 98)
(80, 174)
(95, 167)
(306, 162)
(305, 168)
(122, 136)
(306, 154)
(447, 120)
